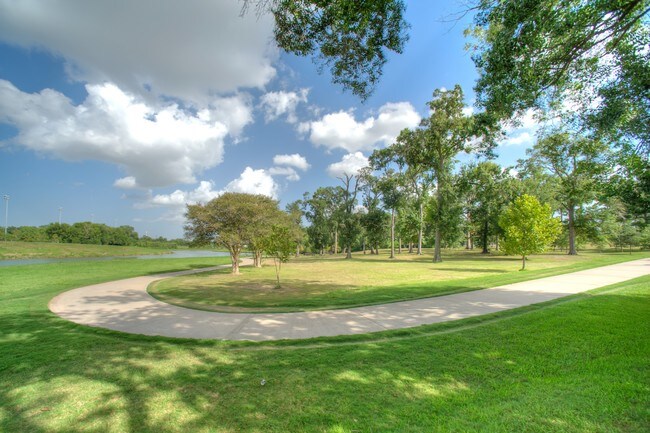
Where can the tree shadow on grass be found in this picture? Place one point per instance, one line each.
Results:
(56, 376)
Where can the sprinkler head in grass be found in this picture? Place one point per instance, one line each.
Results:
(263, 382)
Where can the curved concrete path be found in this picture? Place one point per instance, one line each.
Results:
(126, 306)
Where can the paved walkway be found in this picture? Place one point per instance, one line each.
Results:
(126, 306)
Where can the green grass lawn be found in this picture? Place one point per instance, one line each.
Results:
(51, 250)
(579, 364)
(333, 282)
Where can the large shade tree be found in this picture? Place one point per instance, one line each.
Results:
(232, 220)
(579, 164)
(445, 133)
(350, 37)
(535, 53)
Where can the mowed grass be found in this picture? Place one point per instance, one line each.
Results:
(579, 364)
(50, 250)
(326, 282)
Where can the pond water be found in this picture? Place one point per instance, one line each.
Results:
(176, 254)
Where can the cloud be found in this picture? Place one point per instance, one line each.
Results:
(275, 104)
(521, 131)
(289, 172)
(254, 182)
(350, 164)
(523, 138)
(295, 160)
(341, 130)
(189, 50)
(249, 181)
(128, 182)
(156, 146)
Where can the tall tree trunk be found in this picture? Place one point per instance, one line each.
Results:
(297, 250)
(257, 258)
(468, 241)
(392, 233)
(437, 256)
(421, 229)
(523, 263)
(485, 237)
(410, 247)
(399, 245)
(234, 259)
(348, 254)
(364, 246)
(572, 230)
(336, 241)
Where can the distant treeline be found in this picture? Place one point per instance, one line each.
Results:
(89, 233)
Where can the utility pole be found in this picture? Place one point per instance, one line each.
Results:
(6, 199)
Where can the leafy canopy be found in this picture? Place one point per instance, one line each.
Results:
(529, 227)
(533, 53)
(351, 37)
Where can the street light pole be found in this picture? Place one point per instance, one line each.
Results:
(6, 199)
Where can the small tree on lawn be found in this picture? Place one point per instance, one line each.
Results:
(529, 227)
(280, 246)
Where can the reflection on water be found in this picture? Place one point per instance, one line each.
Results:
(177, 254)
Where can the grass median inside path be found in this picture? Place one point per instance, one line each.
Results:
(52, 250)
(573, 365)
(333, 282)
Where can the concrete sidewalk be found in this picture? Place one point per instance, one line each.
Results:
(126, 306)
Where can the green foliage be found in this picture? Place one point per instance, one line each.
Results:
(350, 37)
(279, 245)
(529, 227)
(486, 188)
(321, 212)
(86, 233)
(534, 53)
(232, 220)
(579, 165)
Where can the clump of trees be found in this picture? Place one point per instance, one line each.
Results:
(240, 222)
(89, 233)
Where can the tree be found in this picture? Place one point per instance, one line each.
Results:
(529, 227)
(445, 133)
(295, 212)
(578, 162)
(485, 192)
(230, 220)
(375, 221)
(392, 195)
(349, 219)
(351, 37)
(280, 246)
(320, 211)
(406, 154)
(535, 53)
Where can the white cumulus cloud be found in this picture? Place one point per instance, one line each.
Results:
(156, 146)
(288, 172)
(275, 104)
(189, 50)
(342, 130)
(350, 164)
(294, 160)
(254, 182)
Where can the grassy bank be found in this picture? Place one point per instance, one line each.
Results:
(333, 282)
(49, 250)
(573, 365)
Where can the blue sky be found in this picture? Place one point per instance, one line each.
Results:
(122, 112)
